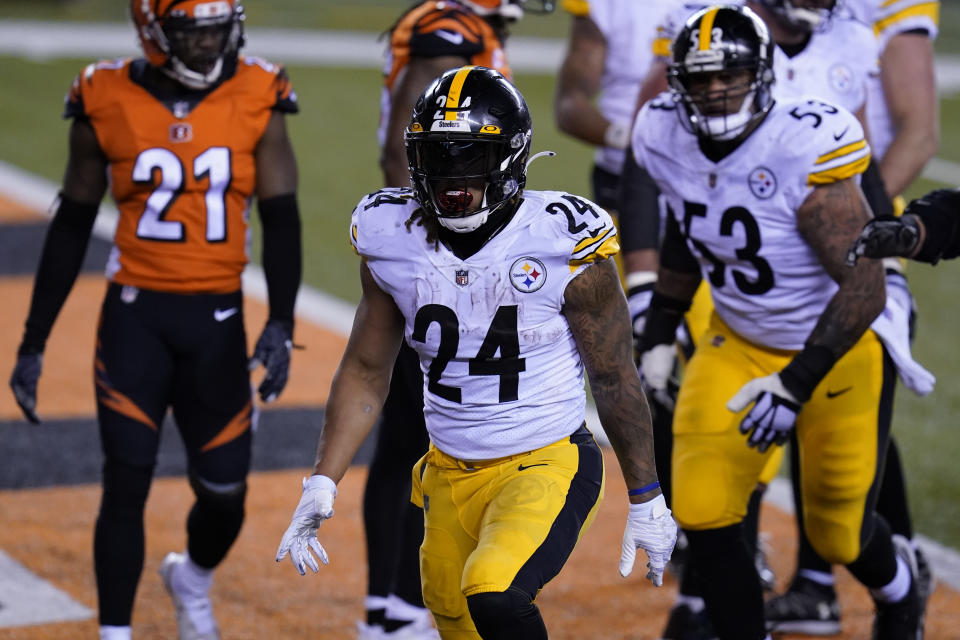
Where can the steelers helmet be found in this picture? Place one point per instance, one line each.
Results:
(192, 41)
(471, 129)
(802, 15)
(509, 9)
(715, 40)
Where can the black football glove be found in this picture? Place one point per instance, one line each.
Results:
(273, 352)
(23, 382)
(884, 237)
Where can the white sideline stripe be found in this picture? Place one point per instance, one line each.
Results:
(313, 305)
(943, 171)
(41, 40)
(944, 561)
(26, 599)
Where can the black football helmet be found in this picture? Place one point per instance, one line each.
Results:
(802, 15)
(715, 40)
(471, 129)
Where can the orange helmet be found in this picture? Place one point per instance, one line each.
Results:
(509, 9)
(189, 40)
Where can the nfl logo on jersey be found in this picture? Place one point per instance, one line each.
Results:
(462, 277)
(181, 132)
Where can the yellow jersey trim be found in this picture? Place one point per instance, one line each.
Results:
(661, 47)
(578, 8)
(607, 247)
(928, 10)
(844, 171)
(842, 151)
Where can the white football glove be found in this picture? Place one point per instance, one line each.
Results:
(650, 526)
(656, 367)
(316, 505)
(773, 415)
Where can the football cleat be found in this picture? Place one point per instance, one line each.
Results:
(768, 579)
(904, 619)
(805, 608)
(685, 624)
(192, 613)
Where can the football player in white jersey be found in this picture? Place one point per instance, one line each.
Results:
(608, 54)
(903, 108)
(764, 202)
(507, 296)
(903, 120)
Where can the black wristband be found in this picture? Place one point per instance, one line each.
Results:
(806, 370)
(60, 263)
(282, 253)
(663, 318)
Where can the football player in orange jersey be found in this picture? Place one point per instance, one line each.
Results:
(425, 41)
(185, 138)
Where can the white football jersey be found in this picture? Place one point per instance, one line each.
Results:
(629, 28)
(888, 18)
(502, 373)
(739, 215)
(836, 65)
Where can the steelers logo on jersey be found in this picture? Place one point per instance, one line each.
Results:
(762, 182)
(841, 77)
(527, 274)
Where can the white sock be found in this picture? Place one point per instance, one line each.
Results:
(694, 603)
(897, 589)
(192, 580)
(111, 632)
(372, 603)
(823, 578)
(400, 609)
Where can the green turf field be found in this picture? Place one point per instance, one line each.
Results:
(335, 143)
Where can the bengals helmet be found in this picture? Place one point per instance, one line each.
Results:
(716, 42)
(802, 15)
(471, 129)
(192, 41)
(508, 9)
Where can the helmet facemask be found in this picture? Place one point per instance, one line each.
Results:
(194, 49)
(722, 81)
(462, 179)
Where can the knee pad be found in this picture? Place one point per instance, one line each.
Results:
(125, 487)
(505, 614)
(227, 496)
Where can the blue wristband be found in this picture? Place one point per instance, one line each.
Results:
(642, 490)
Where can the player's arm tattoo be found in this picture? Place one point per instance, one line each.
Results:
(830, 220)
(596, 309)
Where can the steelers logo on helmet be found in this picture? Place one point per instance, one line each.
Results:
(527, 274)
(762, 183)
(467, 146)
(722, 72)
(194, 42)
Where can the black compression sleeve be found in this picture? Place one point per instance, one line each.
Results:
(675, 254)
(282, 253)
(663, 317)
(941, 219)
(639, 207)
(876, 191)
(60, 262)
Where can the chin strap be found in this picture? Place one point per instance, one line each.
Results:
(548, 154)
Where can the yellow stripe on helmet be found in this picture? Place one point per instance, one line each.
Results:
(706, 28)
(453, 96)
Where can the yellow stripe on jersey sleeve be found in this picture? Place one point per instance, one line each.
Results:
(661, 47)
(595, 249)
(353, 237)
(842, 151)
(578, 8)
(841, 172)
(929, 10)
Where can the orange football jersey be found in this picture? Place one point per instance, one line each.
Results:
(439, 28)
(181, 169)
